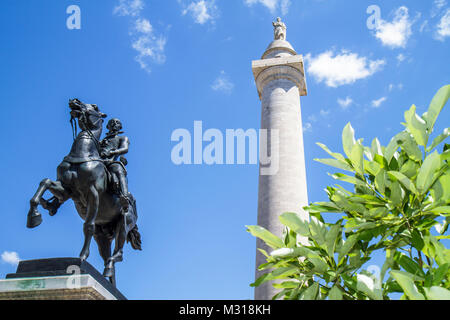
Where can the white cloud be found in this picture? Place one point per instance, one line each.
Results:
(10, 257)
(129, 8)
(143, 26)
(150, 49)
(395, 34)
(312, 118)
(324, 113)
(437, 7)
(340, 69)
(145, 41)
(202, 11)
(377, 103)
(272, 5)
(401, 57)
(307, 127)
(222, 83)
(423, 26)
(393, 86)
(443, 28)
(285, 4)
(345, 103)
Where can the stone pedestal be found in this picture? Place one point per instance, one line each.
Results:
(57, 279)
(280, 80)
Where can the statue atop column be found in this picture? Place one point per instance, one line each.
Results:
(279, 29)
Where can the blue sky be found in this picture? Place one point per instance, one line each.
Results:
(161, 65)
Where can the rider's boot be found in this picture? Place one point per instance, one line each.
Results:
(124, 202)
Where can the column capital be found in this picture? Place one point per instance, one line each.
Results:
(289, 68)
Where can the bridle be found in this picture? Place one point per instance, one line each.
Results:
(82, 119)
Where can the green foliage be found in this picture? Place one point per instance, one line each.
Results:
(401, 193)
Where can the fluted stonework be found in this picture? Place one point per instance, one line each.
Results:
(280, 80)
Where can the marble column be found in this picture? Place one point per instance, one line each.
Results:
(280, 80)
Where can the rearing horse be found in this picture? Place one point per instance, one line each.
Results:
(82, 176)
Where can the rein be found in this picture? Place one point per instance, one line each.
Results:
(73, 123)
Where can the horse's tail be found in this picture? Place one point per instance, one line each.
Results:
(134, 238)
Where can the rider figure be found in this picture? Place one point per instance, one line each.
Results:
(113, 146)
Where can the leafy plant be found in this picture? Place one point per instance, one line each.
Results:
(399, 205)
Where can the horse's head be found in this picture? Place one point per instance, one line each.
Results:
(88, 115)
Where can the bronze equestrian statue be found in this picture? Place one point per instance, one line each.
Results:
(96, 181)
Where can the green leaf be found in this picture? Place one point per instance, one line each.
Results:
(310, 293)
(408, 184)
(335, 294)
(377, 212)
(408, 264)
(410, 169)
(348, 139)
(264, 278)
(441, 210)
(442, 254)
(376, 147)
(372, 167)
(335, 155)
(269, 238)
(445, 156)
(286, 285)
(295, 222)
(440, 274)
(439, 139)
(264, 252)
(380, 181)
(348, 245)
(283, 273)
(407, 143)
(417, 126)
(335, 163)
(357, 159)
(431, 164)
(396, 194)
(317, 230)
(331, 237)
(349, 179)
(440, 190)
(405, 280)
(410, 146)
(392, 147)
(436, 105)
(320, 266)
(319, 207)
(437, 293)
(417, 240)
(388, 263)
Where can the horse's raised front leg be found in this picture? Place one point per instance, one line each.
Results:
(34, 218)
(89, 223)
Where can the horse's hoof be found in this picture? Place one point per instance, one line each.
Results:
(34, 218)
(84, 256)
